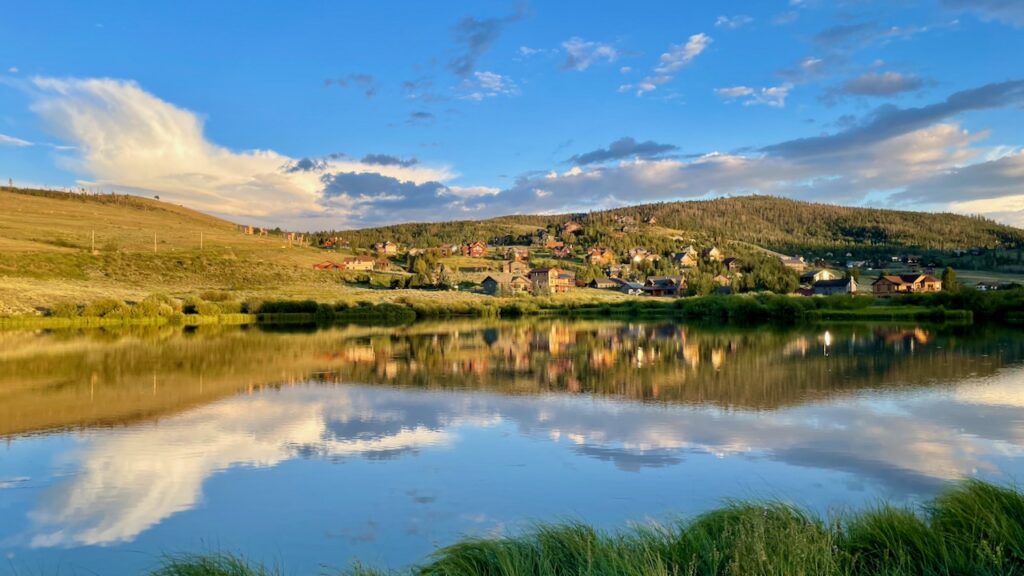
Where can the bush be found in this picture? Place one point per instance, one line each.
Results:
(107, 308)
(65, 310)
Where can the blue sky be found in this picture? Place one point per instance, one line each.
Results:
(338, 114)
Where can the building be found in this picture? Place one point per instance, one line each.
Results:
(553, 280)
(812, 276)
(386, 248)
(603, 283)
(512, 283)
(449, 250)
(722, 280)
(563, 252)
(893, 284)
(687, 258)
(552, 244)
(515, 267)
(570, 227)
(630, 288)
(664, 285)
(326, 265)
(713, 254)
(517, 253)
(794, 262)
(639, 255)
(358, 263)
(600, 256)
(835, 286)
(475, 249)
(732, 264)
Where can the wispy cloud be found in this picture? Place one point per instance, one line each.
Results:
(874, 84)
(474, 37)
(732, 22)
(670, 62)
(6, 140)
(484, 85)
(774, 96)
(364, 82)
(1008, 11)
(580, 53)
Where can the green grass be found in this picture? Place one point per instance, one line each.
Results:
(974, 528)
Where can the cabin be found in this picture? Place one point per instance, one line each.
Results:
(603, 283)
(517, 253)
(362, 263)
(686, 259)
(794, 263)
(631, 288)
(894, 284)
(563, 252)
(386, 248)
(722, 280)
(713, 254)
(553, 244)
(812, 276)
(515, 267)
(513, 283)
(835, 286)
(732, 264)
(600, 256)
(449, 250)
(639, 255)
(326, 265)
(664, 285)
(475, 249)
(553, 280)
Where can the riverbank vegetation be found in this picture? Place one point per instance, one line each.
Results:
(973, 528)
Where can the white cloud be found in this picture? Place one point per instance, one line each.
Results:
(488, 85)
(733, 22)
(13, 69)
(580, 53)
(6, 140)
(774, 96)
(128, 139)
(670, 62)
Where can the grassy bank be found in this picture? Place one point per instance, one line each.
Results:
(974, 528)
(220, 308)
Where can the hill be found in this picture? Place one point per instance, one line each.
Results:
(777, 224)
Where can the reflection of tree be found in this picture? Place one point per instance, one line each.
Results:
(105, 379)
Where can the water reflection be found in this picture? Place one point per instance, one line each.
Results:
(450, 411)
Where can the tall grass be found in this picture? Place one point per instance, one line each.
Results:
(974, 528)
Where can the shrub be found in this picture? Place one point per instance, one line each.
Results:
(107, 308)
(65, 310)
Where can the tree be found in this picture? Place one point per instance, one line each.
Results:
(949, 282)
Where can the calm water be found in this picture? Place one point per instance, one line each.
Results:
(315, 449)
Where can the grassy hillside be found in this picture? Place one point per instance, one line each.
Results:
(777, 224)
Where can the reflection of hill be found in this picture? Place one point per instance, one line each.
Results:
(59, 381)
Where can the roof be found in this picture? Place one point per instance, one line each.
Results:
(906, 278)
(838, 283)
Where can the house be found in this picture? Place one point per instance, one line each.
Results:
(326, 265)
(835, 286)
(686, 259)
(639, 255)
(570, 227)
(416, 252)
(664, 285)
(563, 252)
(553, 244)
(722, 280)
(600, 256)
(630, 288)
(893, 284)
(358, 263)
(515, 267)
(386, 248)
(475, 249)
(713, 254)
(812, 276)
(794, 262)
(553, 280)
(732, 264)
(509, 282)
(603, 283)
(517, 253)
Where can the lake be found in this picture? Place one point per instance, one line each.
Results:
(314, 449)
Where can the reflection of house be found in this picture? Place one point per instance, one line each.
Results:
(552, 280)
(893, 284)
(817, 276)
(515, 267)
(835, 286)
(664, 285)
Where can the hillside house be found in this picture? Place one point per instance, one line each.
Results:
(326, 265)
(563, 252)
(361, 263)
(713, 254)
(732, 264)
(552, 244)
(664, 285)
(794, 263)
(386, 248)
(686, 259)
(513, 283)
(600, 256)
(553, 280)
(640, 255)
(631, 288)
(893, 284)
(517, 253)
(722, 280)
(603, 283)
(515, 267)
(570, 227)
(812, 276)
(835, 286)
(475, 249)
(449, 250)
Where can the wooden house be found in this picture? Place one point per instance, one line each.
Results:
(894, 284)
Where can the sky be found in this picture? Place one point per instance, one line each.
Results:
(314, 115)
